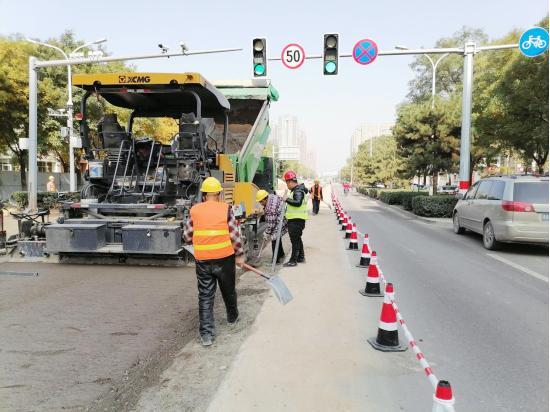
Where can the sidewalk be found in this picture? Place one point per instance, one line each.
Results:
(312, 354)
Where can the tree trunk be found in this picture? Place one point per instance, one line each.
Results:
(424, 176)
(434, 182)
(21, 159)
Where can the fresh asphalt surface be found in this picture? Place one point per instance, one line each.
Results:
(481, 321)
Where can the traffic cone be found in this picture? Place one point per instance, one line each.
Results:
(348, 229)
(372, 287)
(344, 222)
(353, 239)
(443, 397)
(365, 253)
(387, 339)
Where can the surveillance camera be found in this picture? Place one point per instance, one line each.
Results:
(163, 48)
(183, 47)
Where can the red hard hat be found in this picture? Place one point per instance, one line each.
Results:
(289, 175)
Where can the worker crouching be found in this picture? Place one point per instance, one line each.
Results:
(296, 216)
(217, 245)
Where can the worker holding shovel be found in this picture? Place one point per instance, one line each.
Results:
(217, 248)
(273, 206)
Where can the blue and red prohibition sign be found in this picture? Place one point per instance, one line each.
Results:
(365, 51)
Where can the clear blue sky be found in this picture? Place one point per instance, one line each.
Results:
(328, 108)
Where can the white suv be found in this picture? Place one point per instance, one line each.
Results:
(505, 209)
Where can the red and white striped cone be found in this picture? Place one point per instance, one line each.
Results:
(387, 339)
(365, 253)
(340, 217)
(372, 286)
(348, 229)
(353, 239)
(444, 400)
(344, 222)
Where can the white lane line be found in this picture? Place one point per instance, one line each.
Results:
(518, 267)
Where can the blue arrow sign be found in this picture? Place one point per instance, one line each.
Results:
(365, 51)
(533, 42)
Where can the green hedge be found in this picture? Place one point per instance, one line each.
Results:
(407, 197)
(434, 206)
(46, 200)
(402, 197)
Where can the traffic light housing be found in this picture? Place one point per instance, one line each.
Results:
(330, 54)
(259, 57)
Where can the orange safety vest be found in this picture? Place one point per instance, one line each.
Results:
(317, 192)
(211, 238)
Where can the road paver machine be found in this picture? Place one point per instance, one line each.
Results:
(138, 191)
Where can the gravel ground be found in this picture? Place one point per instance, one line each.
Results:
(88, 337)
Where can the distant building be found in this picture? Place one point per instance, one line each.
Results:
(287, 138)
(367, 131)
(291, 143)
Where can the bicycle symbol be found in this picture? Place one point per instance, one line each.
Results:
(534, 41)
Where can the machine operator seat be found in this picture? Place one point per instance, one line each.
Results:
(189, 127)
(111, 132)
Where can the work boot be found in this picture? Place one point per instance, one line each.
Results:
(207, 340)
(290, 264)
(232, 324)
(301, 260)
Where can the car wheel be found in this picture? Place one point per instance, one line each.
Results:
(456, 225)
(489, 241)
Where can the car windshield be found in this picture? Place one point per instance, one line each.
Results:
(532, 192)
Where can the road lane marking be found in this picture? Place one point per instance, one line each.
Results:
(518, 267)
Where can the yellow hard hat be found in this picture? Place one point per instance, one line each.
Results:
(261, 195)
(211, 185)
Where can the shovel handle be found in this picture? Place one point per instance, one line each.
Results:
(253, 269)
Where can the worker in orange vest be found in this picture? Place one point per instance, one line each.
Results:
(217, 248)
(316, 196)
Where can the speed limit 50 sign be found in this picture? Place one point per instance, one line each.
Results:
(293, 56)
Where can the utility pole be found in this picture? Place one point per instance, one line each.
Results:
(464, 171)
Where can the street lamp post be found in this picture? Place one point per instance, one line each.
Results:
(434, 68)
(69, 115)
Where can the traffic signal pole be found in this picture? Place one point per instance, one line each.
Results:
(34, 66)
(468, 51)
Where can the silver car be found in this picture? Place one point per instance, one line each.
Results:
(505, 209)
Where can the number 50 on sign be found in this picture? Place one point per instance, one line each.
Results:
(293, 56)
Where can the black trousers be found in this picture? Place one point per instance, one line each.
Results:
(295, 230)
(280, 252)
(316, 203)
(209, 274)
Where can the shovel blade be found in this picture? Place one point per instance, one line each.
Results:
(280, 289)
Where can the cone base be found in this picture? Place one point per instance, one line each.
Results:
(352, 248)
(361, 266)
(383, 348)
(371, 295)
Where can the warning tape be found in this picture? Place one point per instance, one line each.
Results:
(411, 341)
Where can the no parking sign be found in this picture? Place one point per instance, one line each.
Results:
(365, 51)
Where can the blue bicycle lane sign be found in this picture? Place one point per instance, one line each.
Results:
(365, 51)
(533, 42)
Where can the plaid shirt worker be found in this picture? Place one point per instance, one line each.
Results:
(272, 212)
(234, 232)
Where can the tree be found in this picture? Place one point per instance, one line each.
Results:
(428, 138)
(518, 111)
(382, 167)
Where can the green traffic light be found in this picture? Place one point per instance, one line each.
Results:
(330, 67)
(259, 69)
